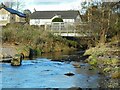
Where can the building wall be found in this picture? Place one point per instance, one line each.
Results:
(68, 20)
(4, 17)
(34, 21)
(12, 18)
(78, 19)
(7, 17)
(39, 21)
(43, 21)
(19, 19)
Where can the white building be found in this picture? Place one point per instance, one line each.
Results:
(42, 17)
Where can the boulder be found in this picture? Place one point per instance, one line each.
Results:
(69, 74)
(76, 65)
(17, 60)
(1, 55)
(116, 75)
(74, 88)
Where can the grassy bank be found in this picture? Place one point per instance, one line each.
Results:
(24, 37)
(106, 58)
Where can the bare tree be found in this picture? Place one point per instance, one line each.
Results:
(100, 20)
(19, 5)
(9, 4)
(16, 4)
(27, 12)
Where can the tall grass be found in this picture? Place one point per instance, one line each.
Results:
(35, 37)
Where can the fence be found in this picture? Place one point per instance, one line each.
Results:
(68, 29)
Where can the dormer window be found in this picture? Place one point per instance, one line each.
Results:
(56, 16)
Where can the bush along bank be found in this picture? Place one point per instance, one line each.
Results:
(27, 38)
(106, 59)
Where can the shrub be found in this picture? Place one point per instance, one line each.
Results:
(57, 20)
(8, 35)
(35, 38)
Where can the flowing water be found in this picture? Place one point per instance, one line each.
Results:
(48, 71)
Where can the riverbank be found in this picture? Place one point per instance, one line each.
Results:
(19, 39)
(106, 58)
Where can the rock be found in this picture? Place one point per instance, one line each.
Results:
(74, 88)
(8, 52)
(7, 56)
(69, 74)
(90, 68)
(17, 60)
(1, 56)
(115, 75)
(76, 65)
(6, 60)
(100, 73)
(16, 43)
(32, 53)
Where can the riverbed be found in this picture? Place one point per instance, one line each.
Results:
(48, 71)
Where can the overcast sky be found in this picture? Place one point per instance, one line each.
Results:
(50, 4)
(41, 5)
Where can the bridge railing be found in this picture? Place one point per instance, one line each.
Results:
(68, 28)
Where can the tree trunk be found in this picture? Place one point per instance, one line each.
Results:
(102, 37)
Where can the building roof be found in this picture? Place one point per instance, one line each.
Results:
(12, 11)
(71, 14)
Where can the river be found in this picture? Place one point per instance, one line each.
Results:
(48, 71)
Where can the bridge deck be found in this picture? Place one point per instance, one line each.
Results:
(68, 29)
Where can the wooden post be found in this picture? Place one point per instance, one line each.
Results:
(67, 29)
(45, 26)
(59, 28)
(74, 29)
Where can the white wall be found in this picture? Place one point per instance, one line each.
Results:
(43, 21)
(34, 21)
(68, 20)
(39, 21)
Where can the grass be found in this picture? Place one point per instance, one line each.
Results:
(104, 57)
(26, 36)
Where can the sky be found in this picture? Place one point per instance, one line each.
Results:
(42, 5)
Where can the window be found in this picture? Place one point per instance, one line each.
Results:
(3, 17)
(37, 21)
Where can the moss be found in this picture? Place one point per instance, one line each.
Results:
(107, 69)
(38, 51)
(116, 68)
(107, 61)
(115, 61)
(23, 49)
(103, 58)
(116, 75)
(89, 51)
(93, 61)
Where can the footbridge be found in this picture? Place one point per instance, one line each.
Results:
(69, 29)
